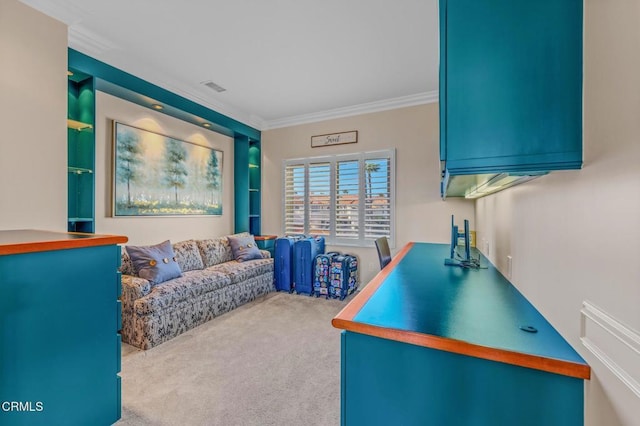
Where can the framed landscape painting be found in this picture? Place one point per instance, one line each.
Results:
(157, 175)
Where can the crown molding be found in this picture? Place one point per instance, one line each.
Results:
(214, 104)
(84, 40)
(384, 105)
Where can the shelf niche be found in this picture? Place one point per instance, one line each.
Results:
(81, 153)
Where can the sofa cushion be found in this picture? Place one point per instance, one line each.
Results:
(188, 255)
(244, 248)
(217, 250)
(189, 286)
(126, 266)
(242, 271)
(155, 263)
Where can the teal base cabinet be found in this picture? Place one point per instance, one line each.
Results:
(385, 382)
(432, 344)
(59, 322)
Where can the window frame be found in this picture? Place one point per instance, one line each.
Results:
(333, 160)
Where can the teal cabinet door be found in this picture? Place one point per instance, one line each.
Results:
(385, 382)
(60, 351)
(511, 85)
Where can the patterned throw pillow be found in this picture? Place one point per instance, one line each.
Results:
(156, 264)
(244, 248)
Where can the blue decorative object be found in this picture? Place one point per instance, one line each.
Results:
(155, 263)
(244, 248)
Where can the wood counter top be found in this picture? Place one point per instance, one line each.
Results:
(416, 299)
(31, 240)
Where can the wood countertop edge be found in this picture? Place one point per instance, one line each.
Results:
(537, 362)
(63, 244)
(353, 307)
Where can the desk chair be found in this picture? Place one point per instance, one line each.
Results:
(384, 254)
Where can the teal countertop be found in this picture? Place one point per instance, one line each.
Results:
(476, 312)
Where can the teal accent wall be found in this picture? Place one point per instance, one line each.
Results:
(134, 89)
(127, 86)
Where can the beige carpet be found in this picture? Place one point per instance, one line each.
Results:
(274, 361)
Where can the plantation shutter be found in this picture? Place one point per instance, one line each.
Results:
(348, 198)
(377, 205)
(294, 199)
(319, 204)
(347, 210)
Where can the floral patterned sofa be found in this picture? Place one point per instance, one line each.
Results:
(211, 284)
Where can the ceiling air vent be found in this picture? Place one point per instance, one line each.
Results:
(211, 85)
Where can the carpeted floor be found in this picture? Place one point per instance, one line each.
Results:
(274, 361)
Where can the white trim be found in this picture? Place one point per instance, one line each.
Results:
(84, 40)
(383, 105)
(628, 342)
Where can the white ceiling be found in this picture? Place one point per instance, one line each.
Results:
(282, 62)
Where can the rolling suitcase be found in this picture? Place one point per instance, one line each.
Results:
(283, 262)
(322, 273)
(304, 254)
(344, 276)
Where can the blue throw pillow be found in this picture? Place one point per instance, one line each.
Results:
(244, 248)
(156, 264)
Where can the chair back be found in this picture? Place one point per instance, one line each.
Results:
(384, 254)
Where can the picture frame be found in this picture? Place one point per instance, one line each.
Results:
(159, 175)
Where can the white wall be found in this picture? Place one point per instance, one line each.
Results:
(573, 235)
(152, 230)
(420, 213)
(33, 112)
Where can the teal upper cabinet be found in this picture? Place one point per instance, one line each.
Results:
(510, 86)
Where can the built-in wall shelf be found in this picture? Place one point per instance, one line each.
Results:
(78, 125)
(79, 170)
(247, 182)
(80, 153)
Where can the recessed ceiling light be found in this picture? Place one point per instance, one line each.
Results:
(157, 106)
(207, 125)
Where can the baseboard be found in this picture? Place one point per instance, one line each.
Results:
(613, 343)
